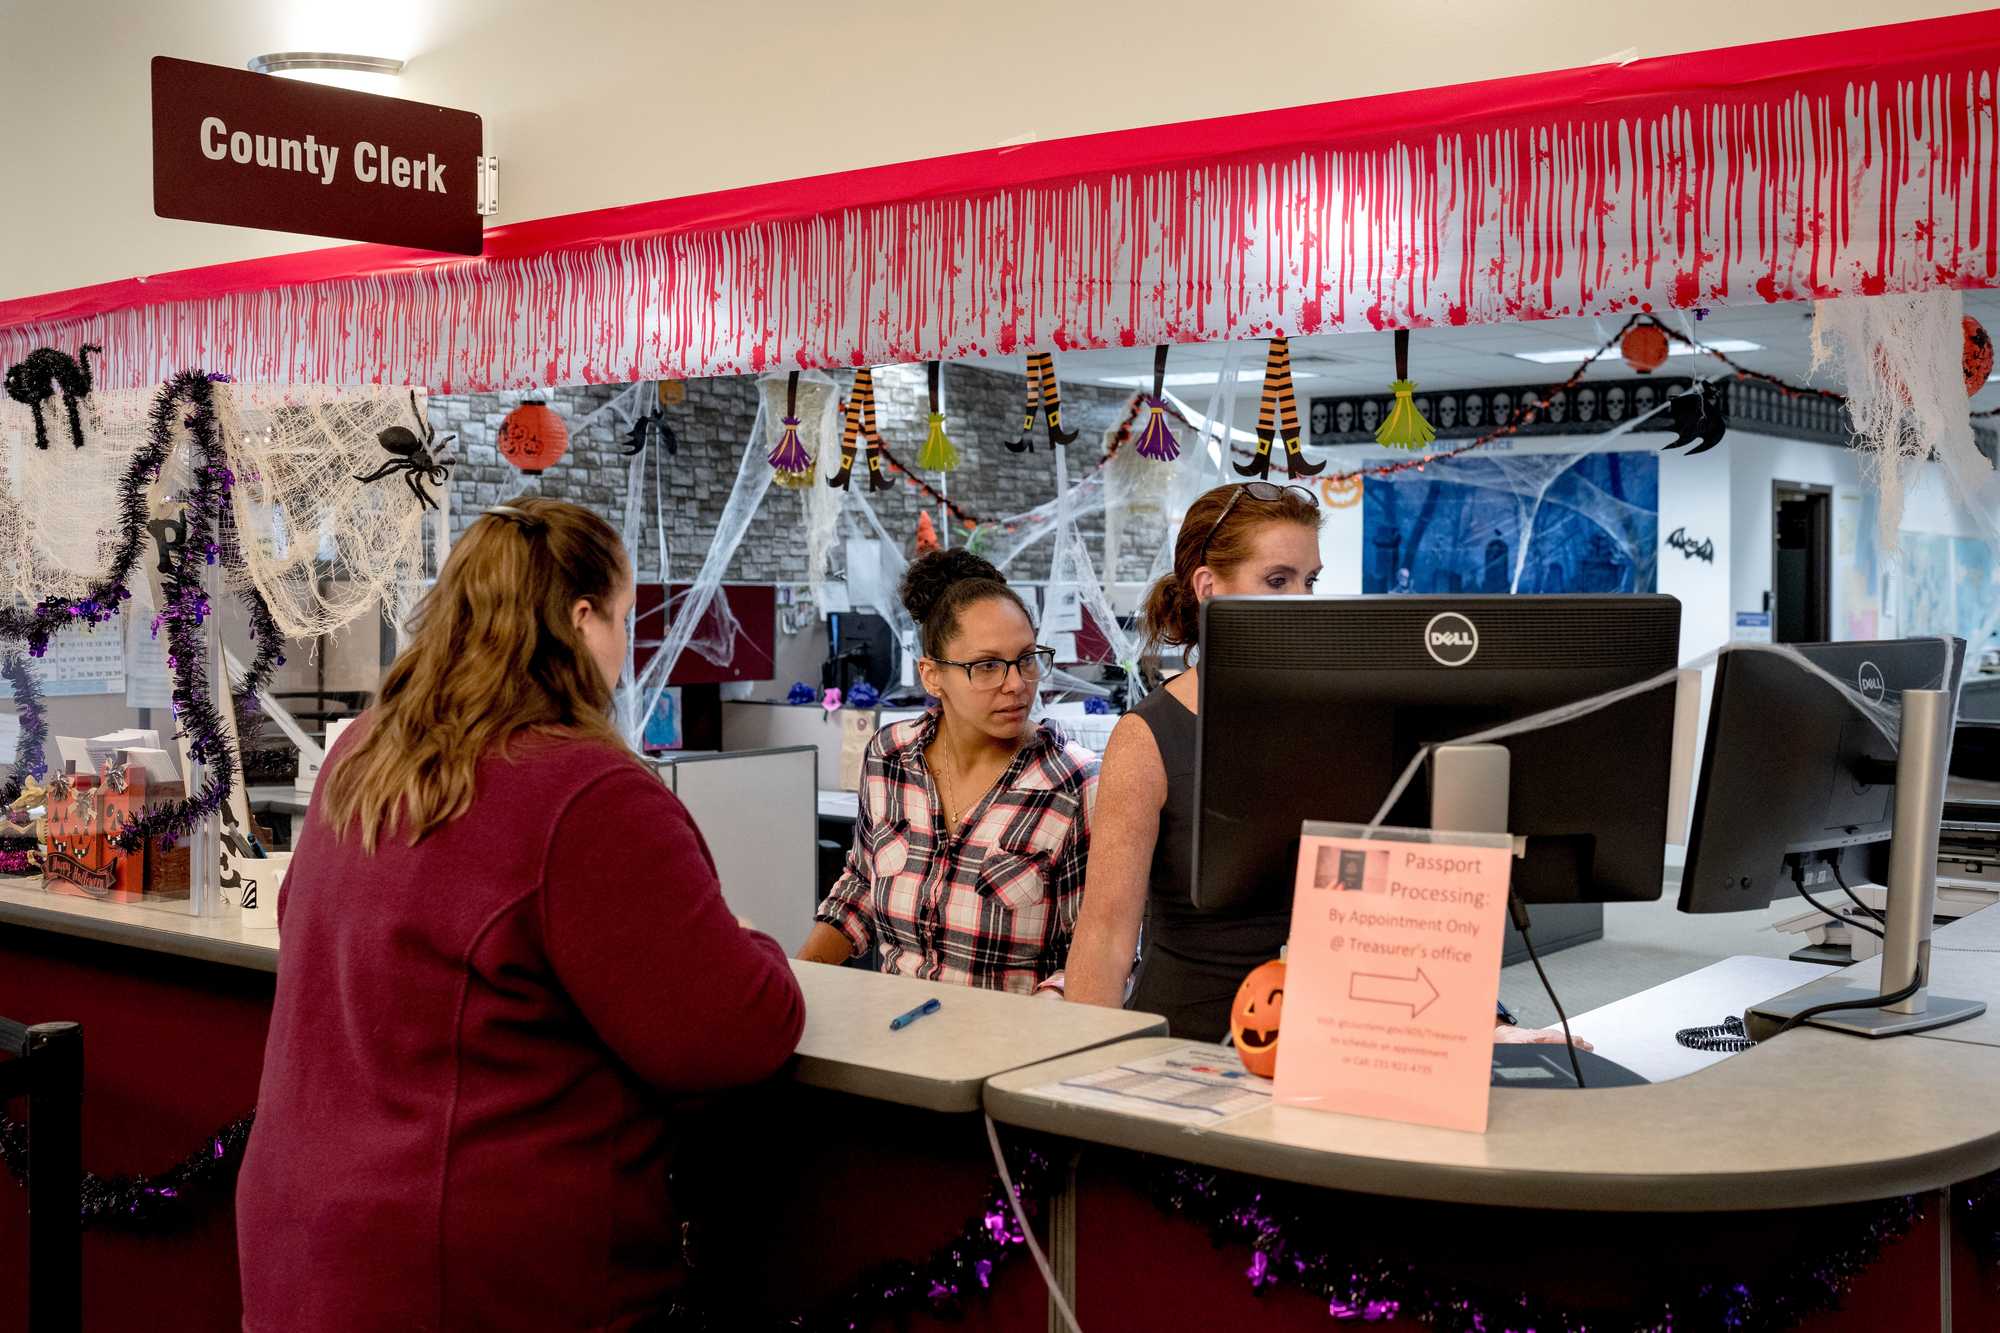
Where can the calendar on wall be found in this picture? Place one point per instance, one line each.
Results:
(81, 661)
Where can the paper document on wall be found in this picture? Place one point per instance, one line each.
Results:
(83, 661)
(1196, 1085)
(147, 681)
(864, 575)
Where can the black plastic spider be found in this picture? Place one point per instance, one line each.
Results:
(413, 457)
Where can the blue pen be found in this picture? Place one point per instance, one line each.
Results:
(901, 1021)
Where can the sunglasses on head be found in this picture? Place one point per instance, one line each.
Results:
(1266, 491)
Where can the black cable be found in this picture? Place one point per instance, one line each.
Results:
(1728, 1036)
(1806, 894)
(1519, 912)
(1872, 1002)
(1841, 880)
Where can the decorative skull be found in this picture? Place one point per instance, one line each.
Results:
(1447, 411)
(1558, 406)
(1371, 415)
(1424, 408)
(1586, 404)
(1642, 400)
(1614, 403)
(1475, 410)
(1503, 407)
(1343, 417)
(1318, 419)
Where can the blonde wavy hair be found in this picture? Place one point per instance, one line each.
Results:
(494, 653)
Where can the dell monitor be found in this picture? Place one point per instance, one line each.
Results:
(1796, 780)
(1312, 707)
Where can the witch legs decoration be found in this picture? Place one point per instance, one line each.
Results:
(860, 425)
(1045, 398)
(1278, 416)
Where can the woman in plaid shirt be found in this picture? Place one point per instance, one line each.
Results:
(974, 820)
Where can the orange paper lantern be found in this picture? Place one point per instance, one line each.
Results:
(533, 437)
(1644, 348)
(1254, 1014)
(1978, 356)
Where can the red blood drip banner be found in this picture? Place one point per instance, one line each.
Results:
(1851, 163)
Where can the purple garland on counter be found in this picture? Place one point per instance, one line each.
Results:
(149, 1204)
(30, 759)
(1294, 1243)
(1289, 1244)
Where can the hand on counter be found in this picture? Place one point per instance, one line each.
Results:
(1505, 1034)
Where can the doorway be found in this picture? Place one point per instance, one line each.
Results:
(1801, 541)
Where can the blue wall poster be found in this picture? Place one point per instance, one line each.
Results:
(1533, 523)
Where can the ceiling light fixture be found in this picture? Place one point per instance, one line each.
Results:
(1572, 355)
(287, 62)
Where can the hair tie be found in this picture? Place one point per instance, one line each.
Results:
(526, 521)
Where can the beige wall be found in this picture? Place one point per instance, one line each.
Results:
(591, 104)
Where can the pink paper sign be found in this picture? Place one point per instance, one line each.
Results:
(1392, 973)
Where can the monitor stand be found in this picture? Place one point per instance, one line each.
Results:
(1470, 785)
(1923, 751)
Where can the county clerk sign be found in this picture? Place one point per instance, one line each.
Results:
(252, 150)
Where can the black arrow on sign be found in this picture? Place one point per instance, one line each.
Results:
(1413, 993)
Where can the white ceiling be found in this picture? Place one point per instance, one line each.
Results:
(1482, 355)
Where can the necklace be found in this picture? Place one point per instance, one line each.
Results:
(948, 796)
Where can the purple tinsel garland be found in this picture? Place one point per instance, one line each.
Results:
(1288, 1234)
(30, 760)
(210, 539)
(1293, 1241)
(149, 1204)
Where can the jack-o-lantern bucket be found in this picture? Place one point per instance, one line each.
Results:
(1253, 1017)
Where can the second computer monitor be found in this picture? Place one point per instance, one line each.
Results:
(1795, 770)
(1310, 708)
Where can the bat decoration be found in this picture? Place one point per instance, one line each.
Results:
(645, 428)
(1404, 427)
(1278, 417)
(36, 379)
(1701, 414)
(789, 458)
(859, 412)
(411, 454)
(1045, 398)
(938, 453)
(1156, 440)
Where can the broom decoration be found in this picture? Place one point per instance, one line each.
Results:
(789, 459)
(1156, 440)
(938, 453)
(1404, 427)
(1278, 417)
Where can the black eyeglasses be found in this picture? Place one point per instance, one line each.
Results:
(990, 673)
(1266, 491)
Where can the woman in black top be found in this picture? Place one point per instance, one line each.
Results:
(1248, 538)
(1254, 537)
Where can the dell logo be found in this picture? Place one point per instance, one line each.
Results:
(1873, 687)
(1450, 639)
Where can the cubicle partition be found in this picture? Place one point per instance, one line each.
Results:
(758, 812)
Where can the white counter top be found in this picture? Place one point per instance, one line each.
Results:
(161, 929)
(1807, 1119)
(941, 1061)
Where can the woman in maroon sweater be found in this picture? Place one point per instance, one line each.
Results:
(505, 954)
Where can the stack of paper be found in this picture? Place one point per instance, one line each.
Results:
(103, 749)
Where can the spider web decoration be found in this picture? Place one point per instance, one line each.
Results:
(321, 545)
(296, 452)
(1900, 360)
(59, 508)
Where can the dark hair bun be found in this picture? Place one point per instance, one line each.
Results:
(930, 576)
